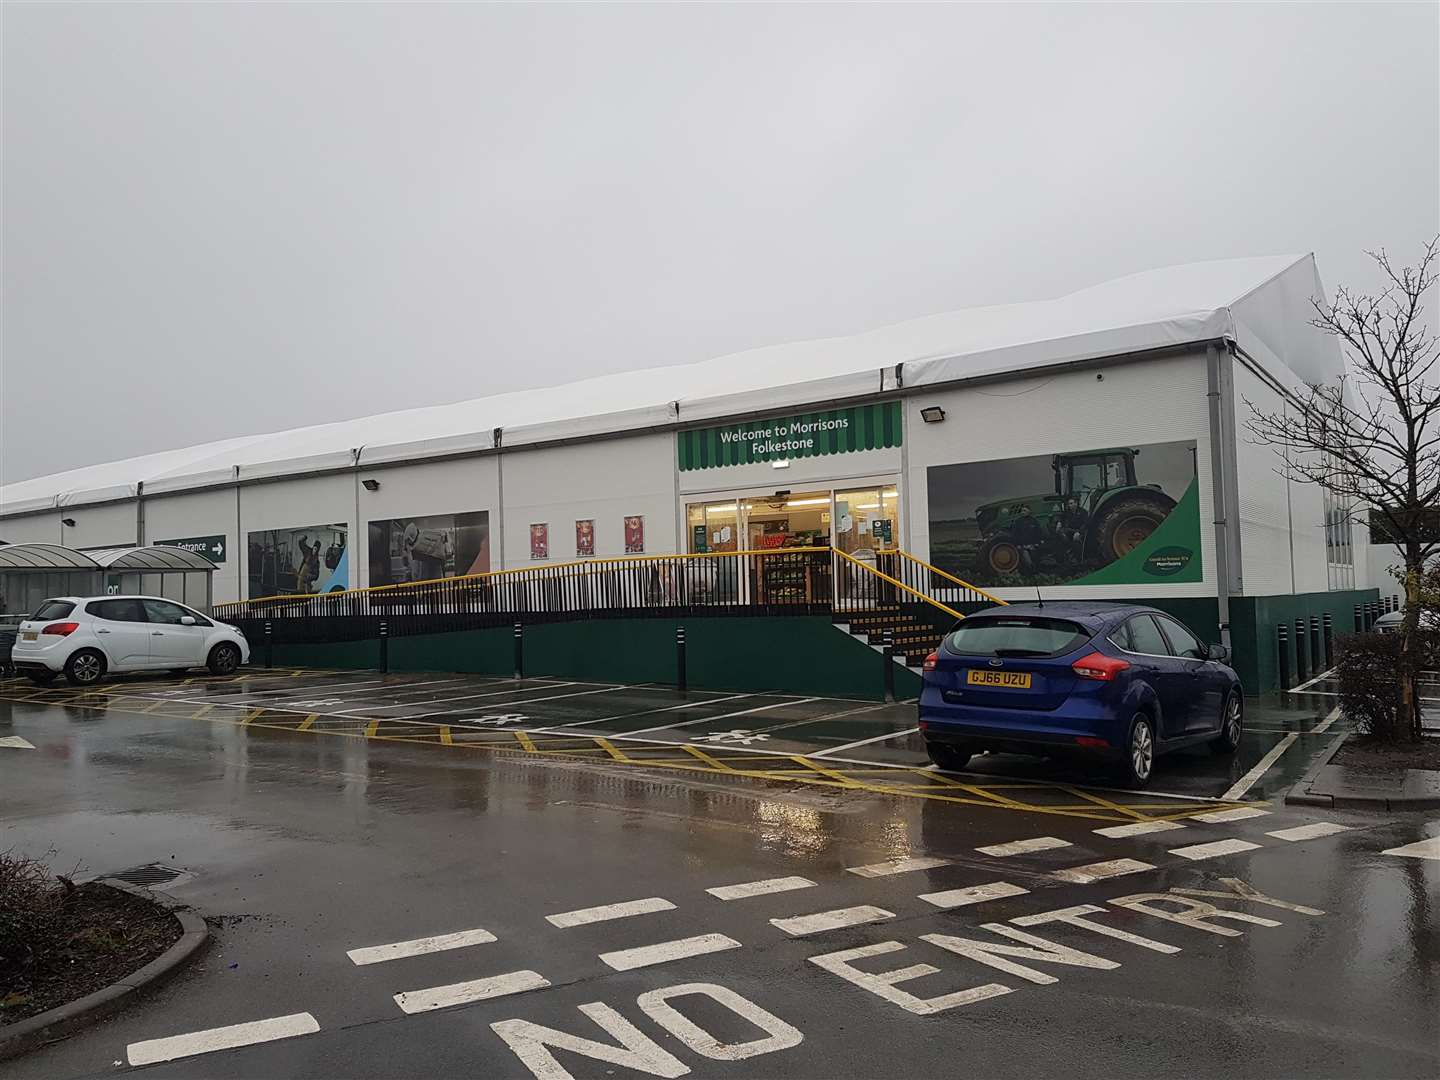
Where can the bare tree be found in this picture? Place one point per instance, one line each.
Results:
(1372, 438)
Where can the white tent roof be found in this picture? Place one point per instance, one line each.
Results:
(1262, 303)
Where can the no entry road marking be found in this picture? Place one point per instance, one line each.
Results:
(800, 925)
(974, 894)
(1238, 813)
(1139, 828)
(1421, 849)
(760, 888)
(896, 866)
(1023, 847)
(666, 951)
(222, 1038)
(442, 997)
(376, 954)
(605, 912)
(1214, 849)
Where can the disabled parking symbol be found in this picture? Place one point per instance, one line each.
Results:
(734, 737)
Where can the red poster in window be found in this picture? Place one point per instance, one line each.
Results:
(773, 540)
(539, 541)
(634, 536)
(584, 539)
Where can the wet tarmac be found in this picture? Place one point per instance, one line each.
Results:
(302, 850)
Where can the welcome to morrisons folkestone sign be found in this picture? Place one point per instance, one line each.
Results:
(836, 431)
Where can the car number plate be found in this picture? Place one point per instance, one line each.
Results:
(1006, 680)
(30, 635)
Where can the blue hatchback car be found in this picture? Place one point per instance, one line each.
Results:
(1122, 682)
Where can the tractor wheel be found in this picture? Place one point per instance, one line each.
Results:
(1127, 523)
(1001, 556)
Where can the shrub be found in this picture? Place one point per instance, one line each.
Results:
(31, 903)
(1368, 670)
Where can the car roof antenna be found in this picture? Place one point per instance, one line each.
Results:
(1038, 602)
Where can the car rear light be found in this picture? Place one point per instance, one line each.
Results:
(1099, 666)
(1090, 740)
(931, 661)
(924, 724)
(61, 629)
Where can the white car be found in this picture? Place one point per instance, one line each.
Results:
(86, 636)
(1390, 624)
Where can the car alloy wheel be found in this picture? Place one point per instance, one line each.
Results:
(1233, 721)
(1142, 749)
(87, 668)
(226, 660)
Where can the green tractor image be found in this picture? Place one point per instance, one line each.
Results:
(1096, 514)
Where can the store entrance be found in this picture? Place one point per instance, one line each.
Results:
(861, 522)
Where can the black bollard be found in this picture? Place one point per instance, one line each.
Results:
(1359, 619)
(1282, 645)
(1317, 654)
(886, 652)
(1329, 635)
(269, 646)
(1302, 666)
(519, 651)
(384, 648)
(680, 674)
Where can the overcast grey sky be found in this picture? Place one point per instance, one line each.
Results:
(224, 219)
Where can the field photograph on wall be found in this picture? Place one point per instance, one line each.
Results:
(1126, 515)
(410, 549)
(295, 562)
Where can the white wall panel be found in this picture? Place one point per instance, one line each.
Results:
(203, 513)
(297, 503)
(604, 481)
(32, 528)
(112, 525)
(1153, 402)
(442, 487)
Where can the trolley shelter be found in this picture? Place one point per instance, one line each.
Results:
(29, 573)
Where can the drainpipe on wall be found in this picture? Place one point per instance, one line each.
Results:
(242, 549)
(1219, 483)
(497, 436)
(355, 453)
(140, 513)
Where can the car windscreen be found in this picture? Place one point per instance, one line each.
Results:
(53, 609)
(1016, 635)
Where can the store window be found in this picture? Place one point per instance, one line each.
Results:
(861, 521)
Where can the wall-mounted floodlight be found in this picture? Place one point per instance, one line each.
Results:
(932, 414)
(370, 485)
(780, 463)
(69, 523)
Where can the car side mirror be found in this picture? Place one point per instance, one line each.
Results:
(187, 620)
(1218, 652)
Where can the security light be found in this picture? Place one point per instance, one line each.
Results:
(780, 463)
(69, 523)
(932, 414)
(370, 485)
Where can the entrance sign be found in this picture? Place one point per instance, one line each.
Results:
(813, 434)
(212, 547)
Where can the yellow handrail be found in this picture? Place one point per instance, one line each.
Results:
(594, 561)
(947, 576)
(899, 584)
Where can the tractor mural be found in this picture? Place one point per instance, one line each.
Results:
(1096, 514)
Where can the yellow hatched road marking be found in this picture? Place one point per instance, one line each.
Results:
(308, 722)
(371, 728)
(714, 763)
(1100, 800)
(609, 748)
(524, 740)
(445, 737)
(251, 717)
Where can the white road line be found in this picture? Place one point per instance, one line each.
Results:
(1083, 875)
(376, 954)
(1022, 847)
(760, 888)
(974, 894)
(605, 912)
(896, 866)
(489, 705)
(1214, 849)
(1311, 682)
(1324, 725)
(1309, 832)
(492, 693)
(666, 951)
(646, 712)
(1421, 849)
(442, 997)
(1139, 828)
(726, 716)
(222, 1038)
(865, 742)
(1246, 782)
(303, 692)
(800, 925)
(1235, 813)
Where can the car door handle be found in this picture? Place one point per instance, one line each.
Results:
(102, 631)
(157, 633)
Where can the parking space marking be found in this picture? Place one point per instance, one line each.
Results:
(489, 694)
(222, 1038)
(896, 866)
(866, 742)
(1309, 832)
(1421, 849)
(820, 921)
(667, 951)
(377, 954)
(606, 912)
(1214, 849)
(498, 704)
(1084, 875)
(1246, 782)
(1024, 847)
(723, 716)
(974, 894)
(1238, 813)
(646, 712)
(1139, 828)
(493, 986)
(760, 888)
